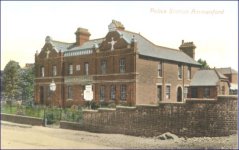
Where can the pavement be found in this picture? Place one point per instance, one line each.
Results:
(15, 124)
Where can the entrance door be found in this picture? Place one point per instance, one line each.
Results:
(179, 94)
(41, 95)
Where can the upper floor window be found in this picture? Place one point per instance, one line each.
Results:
(160, 73)
(102, 93)
(103, 66)
(168, 92)
(112, 92)
(189, 72)
(42, 71)
(86, 68)
(70, 69)
(54, 72)
(123, 92)
(206, 92)
(180, 71)
(122, 65)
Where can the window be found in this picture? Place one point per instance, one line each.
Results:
(42, 72)
(86, 68)
(69, 92)
(189, 72)
(185, 91)
(167, 92)
(112, 92)
(194, 92)
(102, 93)
(54, 71)
(180, 71)
(77, 67)
(103, 66)
(223, 90)
(159, 91)
(70, 69)
(122, 65)
(206, 92)
(123, 92)
(160, 69)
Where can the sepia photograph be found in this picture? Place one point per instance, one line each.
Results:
(119, 75)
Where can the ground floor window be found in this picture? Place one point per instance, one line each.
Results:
(102, 93)
(168, 92)
(206, 93)
(69, 92)
(194, 92)
(159, 92)
(223, 90)
(112, 92)
(123, 92)
(185, 92)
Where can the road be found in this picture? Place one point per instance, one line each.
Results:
(36, 137)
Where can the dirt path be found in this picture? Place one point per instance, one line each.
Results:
(42, 137)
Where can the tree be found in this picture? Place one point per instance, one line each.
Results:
(11, 80)
(27, 83)
(203, 63)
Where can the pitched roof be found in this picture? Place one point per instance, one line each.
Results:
(207, 78)
(61, 46)
(227, 70)
(147, 48)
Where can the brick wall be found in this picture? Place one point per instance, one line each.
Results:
(193, 118)
(22, 119)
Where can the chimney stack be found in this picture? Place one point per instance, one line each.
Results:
(188, 48)
(82, 36)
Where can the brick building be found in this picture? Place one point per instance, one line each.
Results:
(208, 84)
(122, 67)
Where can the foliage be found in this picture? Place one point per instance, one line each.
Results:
(27, 83)
(203, 63)
(11, 81)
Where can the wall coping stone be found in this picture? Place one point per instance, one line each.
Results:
(146, 105)
(106, 109)
(90, 110)
(125, 107)
(228, 96)
(21, 116)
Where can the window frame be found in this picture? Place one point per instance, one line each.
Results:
(86, 68)
(112, 92)
(70, 69)
(180, 72)
(189, 73)
(102, 93)
(69, 92)
(206, 92)
(122, 65)
(168, 92)
(160, 70)
(42, 71)
(123, 92)
(54, 70)
(103, 66)
(160, 94)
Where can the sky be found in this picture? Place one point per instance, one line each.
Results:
(212, 26)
